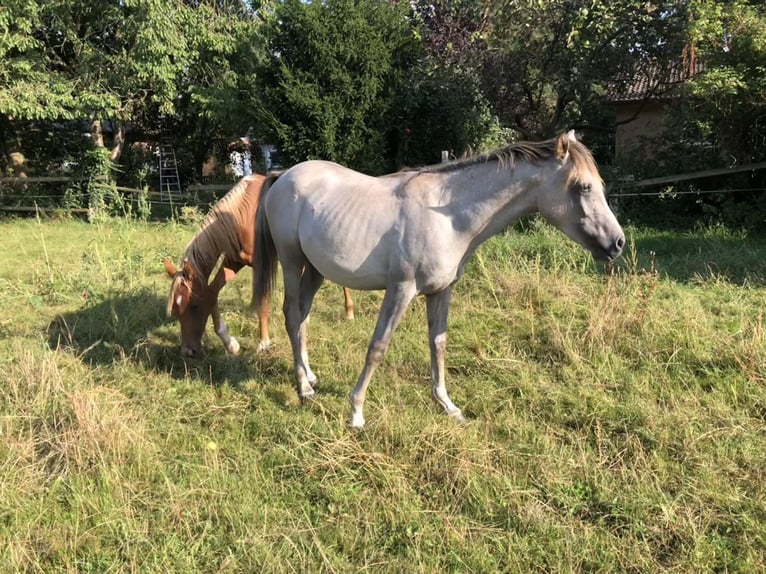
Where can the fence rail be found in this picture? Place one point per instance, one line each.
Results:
(191, 196)
(618, 188)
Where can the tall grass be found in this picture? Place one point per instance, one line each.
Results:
(617, 417)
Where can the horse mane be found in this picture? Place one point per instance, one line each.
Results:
(218, 233)
(526, 151)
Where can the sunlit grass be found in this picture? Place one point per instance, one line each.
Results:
(616, 417)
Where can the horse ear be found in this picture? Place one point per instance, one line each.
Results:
(228, 274)
(169, 268)
(562, 145)
(189, 273)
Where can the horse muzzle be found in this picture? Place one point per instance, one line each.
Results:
(610, 252)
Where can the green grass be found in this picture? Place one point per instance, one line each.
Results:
(617, 421)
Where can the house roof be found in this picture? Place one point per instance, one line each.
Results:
(652, 81)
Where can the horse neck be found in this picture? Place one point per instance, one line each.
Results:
(488, 197)
(220, 234)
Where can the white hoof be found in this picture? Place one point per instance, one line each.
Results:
(233, 346)
(264, 346)
(357, 421)
(307, 396)
(457, 416)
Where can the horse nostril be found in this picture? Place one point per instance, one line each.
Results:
(620, 242)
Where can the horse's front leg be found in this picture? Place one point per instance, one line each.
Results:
(437, 309)
(395, 303)
(231, 344)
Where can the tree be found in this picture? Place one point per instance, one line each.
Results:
(128, 53)
(333, 70)
(547, 62)
(441, 105)
(28, 88)
(728, 98)
(97, 60)
(218, 92)
(721, 119)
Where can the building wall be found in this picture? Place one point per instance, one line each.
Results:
(648, 122)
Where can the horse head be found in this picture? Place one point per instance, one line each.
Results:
(576, 204)
(190, 301)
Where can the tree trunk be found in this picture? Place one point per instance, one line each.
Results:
(119, 143)
(17, 162)
(12, 146)
(96, 133)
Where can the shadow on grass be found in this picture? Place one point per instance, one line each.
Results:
(134, 327)
(694, 257)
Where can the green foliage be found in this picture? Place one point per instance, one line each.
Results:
(218, 94)
(442, 108)
(95, 173)
(121, 58)
(729, 96)
(28, 88)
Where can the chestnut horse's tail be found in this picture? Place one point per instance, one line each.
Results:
(264, 252)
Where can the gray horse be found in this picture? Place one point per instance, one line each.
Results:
(412, 233)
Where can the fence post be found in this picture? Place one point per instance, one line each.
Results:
(445, 156)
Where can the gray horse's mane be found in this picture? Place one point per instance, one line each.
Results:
(218, 233)
(524, 151)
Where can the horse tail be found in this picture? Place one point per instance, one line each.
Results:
(264, 251)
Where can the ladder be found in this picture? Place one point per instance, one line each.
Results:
(170, 183)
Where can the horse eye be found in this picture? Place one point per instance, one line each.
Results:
(585, 189)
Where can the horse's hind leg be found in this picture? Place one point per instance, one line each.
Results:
(311, 281)
(263, 324)
(349, 303)
(395, 303)
(302, 282)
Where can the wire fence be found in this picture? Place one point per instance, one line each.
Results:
(204, 195)
(671, 194)
(21, 195)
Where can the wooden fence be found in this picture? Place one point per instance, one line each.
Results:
(214, 191)
(194, 194)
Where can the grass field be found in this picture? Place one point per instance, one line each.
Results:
(617, 421)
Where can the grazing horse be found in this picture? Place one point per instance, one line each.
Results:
(215, 254)
(412, 233)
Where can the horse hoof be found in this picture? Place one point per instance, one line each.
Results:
(457, 416)
(307, 397)
(356, 422)
(264, 346)
(233, 347)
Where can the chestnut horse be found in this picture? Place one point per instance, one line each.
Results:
(222, 247)
(412, 233)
